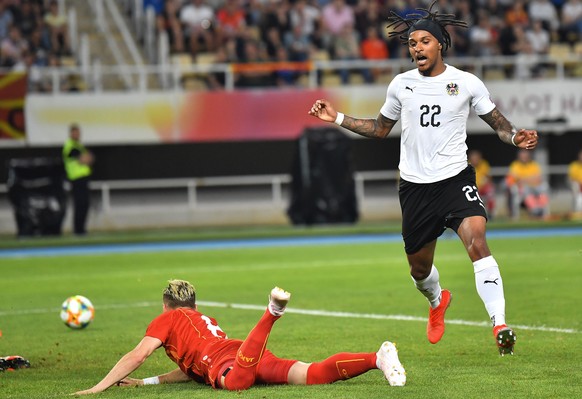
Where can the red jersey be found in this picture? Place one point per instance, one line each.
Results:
(194, 342)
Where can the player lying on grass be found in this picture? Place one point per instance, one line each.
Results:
(206, 355)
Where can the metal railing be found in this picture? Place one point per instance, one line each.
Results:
(172, 76)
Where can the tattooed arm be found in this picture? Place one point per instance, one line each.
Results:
(522, 138)
(374, 128)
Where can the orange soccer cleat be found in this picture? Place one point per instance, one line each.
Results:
(436, 318)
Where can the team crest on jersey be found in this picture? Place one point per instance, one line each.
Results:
(452, 89)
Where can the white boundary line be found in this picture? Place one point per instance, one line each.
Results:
(320, 313)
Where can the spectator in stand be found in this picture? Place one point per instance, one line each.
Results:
(298, 44)
(485, 185)
(198, 22)
(28, 19)
(374, 48)
(575, 177)
(272, 41)
(538, 40)
(345, 47)
(254, 76)
(230, 20)
(6, 19)
(335, 16)
(39, 46)
(545, 11)
(517, 15)
(483, 36)
(572, 20)
(169, 21)
(157, 5)
(306, 17)
(526, 187)
(276, 14)
(12, 47)
(56, 22)
(284, 77)
(369, 15)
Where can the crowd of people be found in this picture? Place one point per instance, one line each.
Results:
(33, 33)
(525, 186)
(295, 30)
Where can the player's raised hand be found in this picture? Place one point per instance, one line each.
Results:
(323, 110)
(527, 139)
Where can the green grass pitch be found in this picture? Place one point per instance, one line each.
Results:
(542, 278)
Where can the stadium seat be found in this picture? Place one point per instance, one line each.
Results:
(331, 80)
(494, 74)
(560, 51)
(205, 58)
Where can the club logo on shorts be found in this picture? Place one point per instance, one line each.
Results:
(452, 89)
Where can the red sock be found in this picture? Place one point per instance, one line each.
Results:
(244, 370)
(341, 366)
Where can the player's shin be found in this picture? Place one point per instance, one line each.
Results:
(490, 288)
(341, 366)
(430, 287)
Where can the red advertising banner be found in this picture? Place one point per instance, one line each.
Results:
(12, 94)
(247, 115)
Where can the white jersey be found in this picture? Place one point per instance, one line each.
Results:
(434, 112)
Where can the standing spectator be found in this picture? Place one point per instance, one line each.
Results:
(526, 187)
(367, 16)
(28, 19)
(197, 19)
(538, 40)
(572, 20)
(575, 176)
(485, 185)
(78, 161)
(56, 21)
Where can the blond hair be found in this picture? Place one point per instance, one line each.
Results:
(179, 293)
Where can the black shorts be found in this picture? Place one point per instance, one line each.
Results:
(428, 209)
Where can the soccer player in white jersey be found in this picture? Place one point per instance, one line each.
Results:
(437, 187)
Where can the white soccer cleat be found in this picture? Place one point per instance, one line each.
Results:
(387, 361)
(278, 301)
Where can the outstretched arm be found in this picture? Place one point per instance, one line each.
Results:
(374, 128)
(173, 376)
(527, 139)
(126, 365)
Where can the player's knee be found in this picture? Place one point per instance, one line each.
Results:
(234, 382)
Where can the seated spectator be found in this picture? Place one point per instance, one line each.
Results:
(374, 48)
(345, 47)
(6, 19)
(484, 36)
(169, 21)
(572, 20)
(284, 77)
(517, 14)
(334, 18)
(198, 22)
(230, 20)
(12, 47)
(28, 19)
(306, 17)
(544, 11)
(369, 15)
(254, 76)
(485, 185)
(575, 177)
(298, 44)
(56, 22)
(526, 187)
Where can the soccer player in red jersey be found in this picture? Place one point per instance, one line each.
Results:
(205, 354)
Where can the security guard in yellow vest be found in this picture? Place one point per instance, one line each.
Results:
(78, 160)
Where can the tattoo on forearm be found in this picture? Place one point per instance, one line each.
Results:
(373, 128)
(500, 124)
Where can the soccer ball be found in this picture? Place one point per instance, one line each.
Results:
(77, 312)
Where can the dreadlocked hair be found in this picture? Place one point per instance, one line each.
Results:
(401, 25)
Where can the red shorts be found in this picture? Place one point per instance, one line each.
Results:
(271, 369)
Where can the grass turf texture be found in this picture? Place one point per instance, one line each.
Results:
(541, 277)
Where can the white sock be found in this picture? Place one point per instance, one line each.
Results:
(490, 288)
(430, 287)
